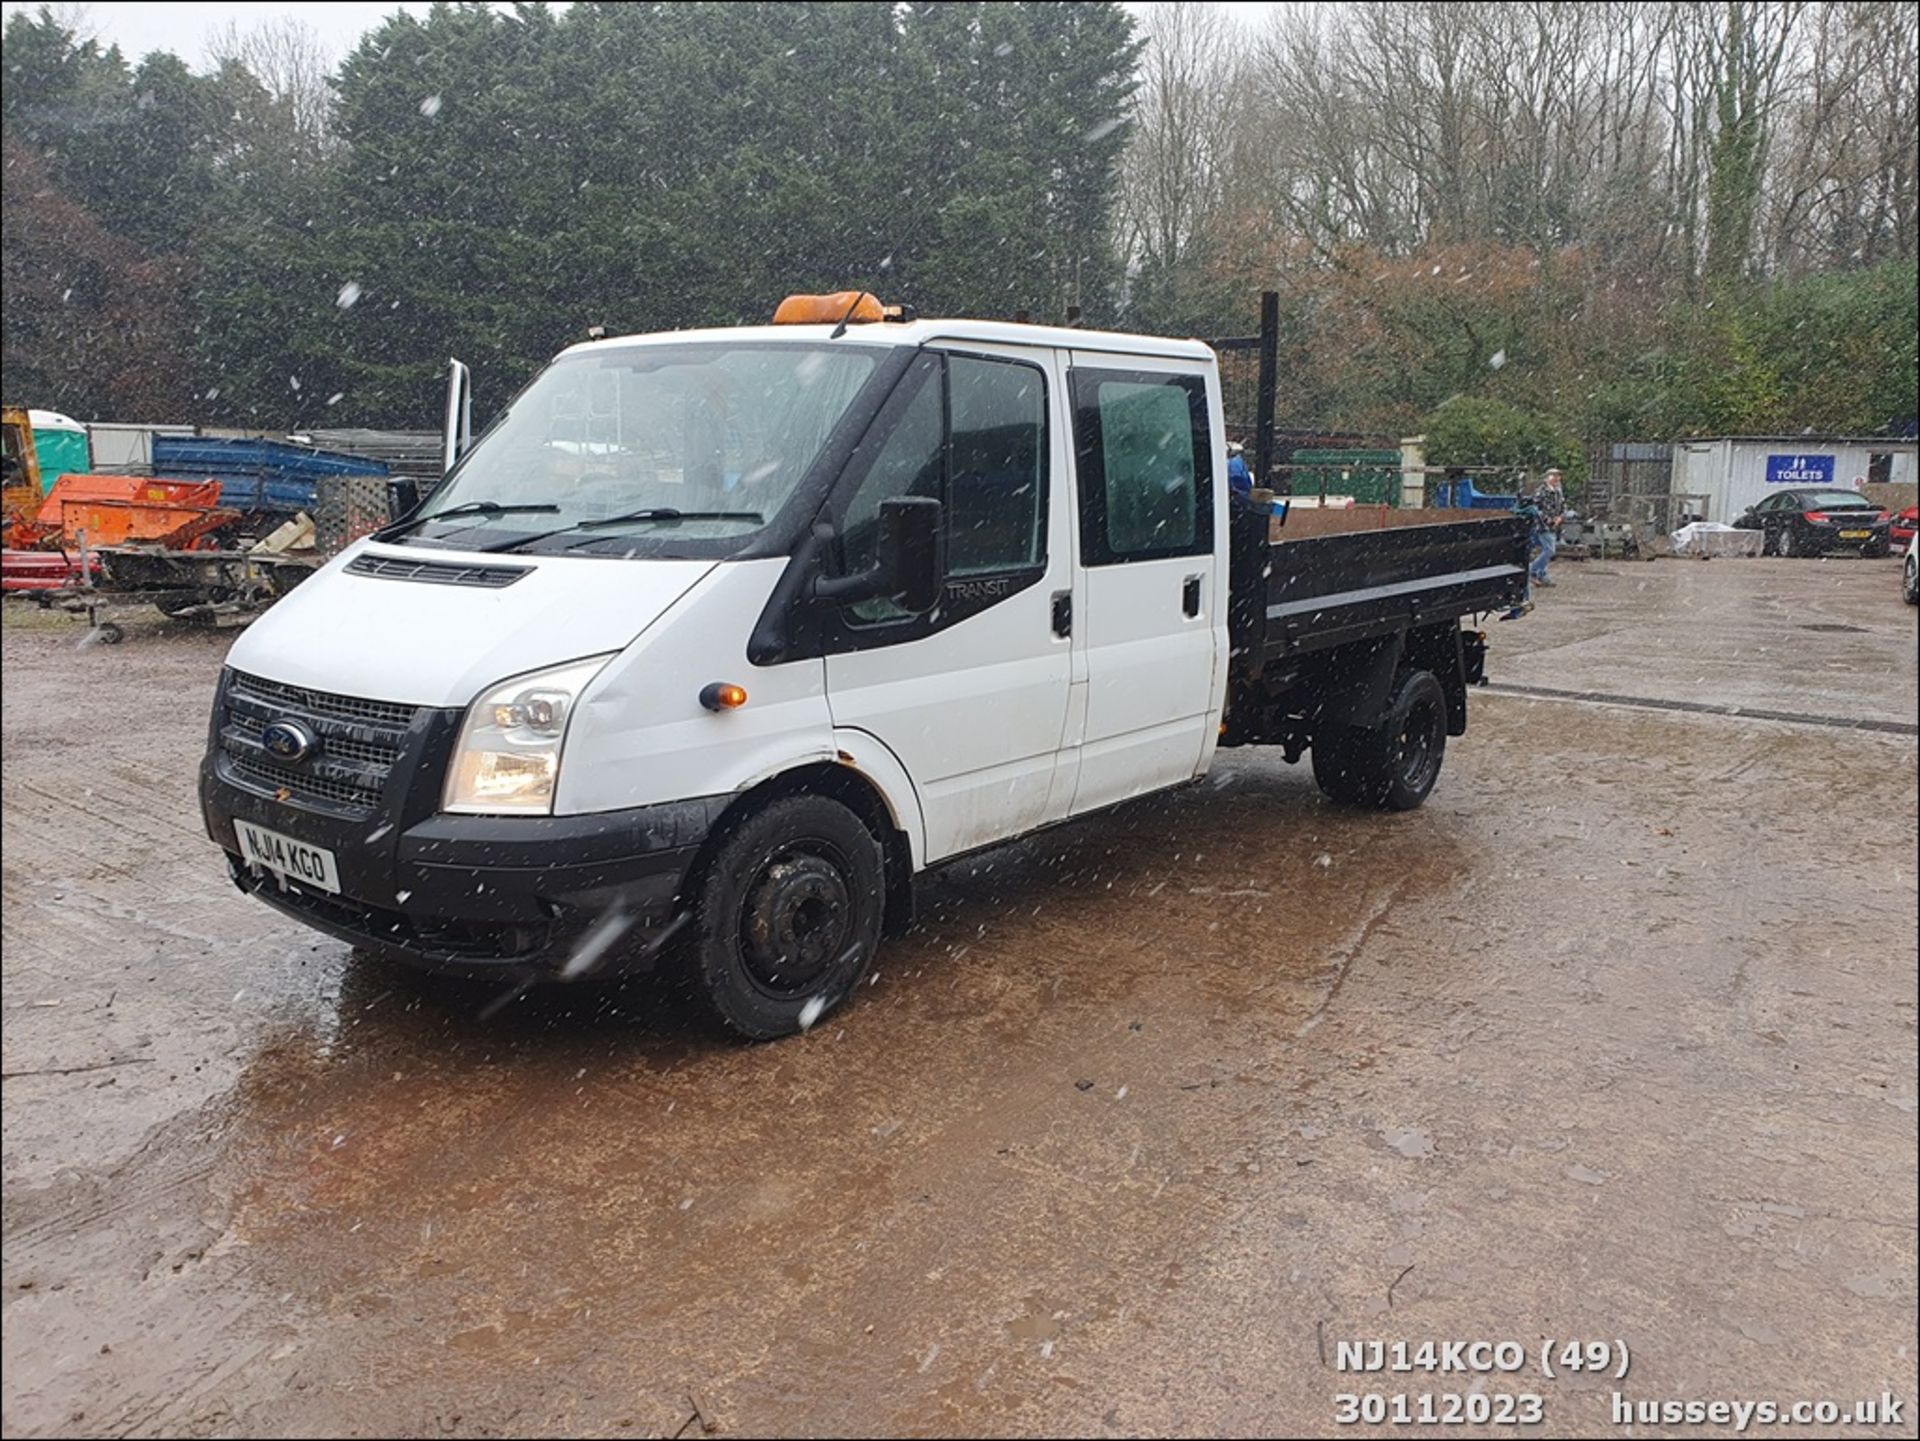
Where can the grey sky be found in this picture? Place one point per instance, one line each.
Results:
(186, 29)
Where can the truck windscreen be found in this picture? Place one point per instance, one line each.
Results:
(649, 450)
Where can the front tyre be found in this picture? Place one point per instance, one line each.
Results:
(787, 917)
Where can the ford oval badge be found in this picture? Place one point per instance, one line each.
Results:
(287, 740)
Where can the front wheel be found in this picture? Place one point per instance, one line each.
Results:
(1391, 766)
(1910, 583)
(787, 917)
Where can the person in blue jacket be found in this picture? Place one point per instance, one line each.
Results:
(1239, 477)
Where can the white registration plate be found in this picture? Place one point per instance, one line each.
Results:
(283, 855)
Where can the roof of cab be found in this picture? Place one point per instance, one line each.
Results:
(921, 332)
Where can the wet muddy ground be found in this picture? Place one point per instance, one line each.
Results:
(1614, 1039)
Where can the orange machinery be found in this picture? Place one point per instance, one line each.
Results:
(113, 510)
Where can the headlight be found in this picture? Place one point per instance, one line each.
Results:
(508, 758)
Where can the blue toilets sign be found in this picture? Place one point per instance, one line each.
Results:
(1799, 470)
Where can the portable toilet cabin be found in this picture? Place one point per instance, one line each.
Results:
(1736, 472)
(61, 443)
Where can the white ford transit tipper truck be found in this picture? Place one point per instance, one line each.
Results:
(715, 639)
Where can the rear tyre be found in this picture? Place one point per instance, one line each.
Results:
(1391, 766)
(1876, 550)
(1910, 582)
(787, 918)
(1788, 546)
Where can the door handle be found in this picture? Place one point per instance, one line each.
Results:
(1063, 612)
(1190, 595)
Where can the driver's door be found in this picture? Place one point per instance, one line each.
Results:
(972, 697)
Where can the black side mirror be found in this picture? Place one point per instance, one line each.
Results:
(907, 569)
(910, 551)
(403, 496)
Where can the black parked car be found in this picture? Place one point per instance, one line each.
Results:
(1817, 520)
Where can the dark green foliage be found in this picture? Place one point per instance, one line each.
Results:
(1467, 431)
(511, 179)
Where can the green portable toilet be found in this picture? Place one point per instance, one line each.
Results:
(61, 444)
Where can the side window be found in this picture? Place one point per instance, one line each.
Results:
(996, 494)
(971, 433)
(1146, 465)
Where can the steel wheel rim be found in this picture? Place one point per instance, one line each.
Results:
(1419, 745)
(796, 919)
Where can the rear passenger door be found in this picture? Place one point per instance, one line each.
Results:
(971, 698)
(1145, 448)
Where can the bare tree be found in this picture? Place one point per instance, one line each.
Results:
(1172, 174)
(1841, 190)
(292, 64)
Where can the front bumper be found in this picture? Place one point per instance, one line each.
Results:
(494, 894)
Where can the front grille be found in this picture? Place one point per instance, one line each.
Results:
(275, 778)
(358, 743)
(297, 698)
(346, 747)
(436, 572)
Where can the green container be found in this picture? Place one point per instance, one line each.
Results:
(1369, 476)
(61, 452)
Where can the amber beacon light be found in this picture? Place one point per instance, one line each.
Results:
(843, 307)
(723, 695)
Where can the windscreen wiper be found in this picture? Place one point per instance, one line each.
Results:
(471, 507)
(656, 512)
(667, 512)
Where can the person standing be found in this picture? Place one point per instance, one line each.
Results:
(1549, 514)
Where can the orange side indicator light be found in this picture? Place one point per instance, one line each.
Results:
(723, 695)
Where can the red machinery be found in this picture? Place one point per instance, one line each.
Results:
(42, 569)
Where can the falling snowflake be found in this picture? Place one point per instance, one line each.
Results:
(1496, 360)
(430, 107)
(349, 295)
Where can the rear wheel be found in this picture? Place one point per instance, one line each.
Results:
(787, 917)
(1788, 545)
(1391, 766)
(1875, 550)
(1910, 582)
